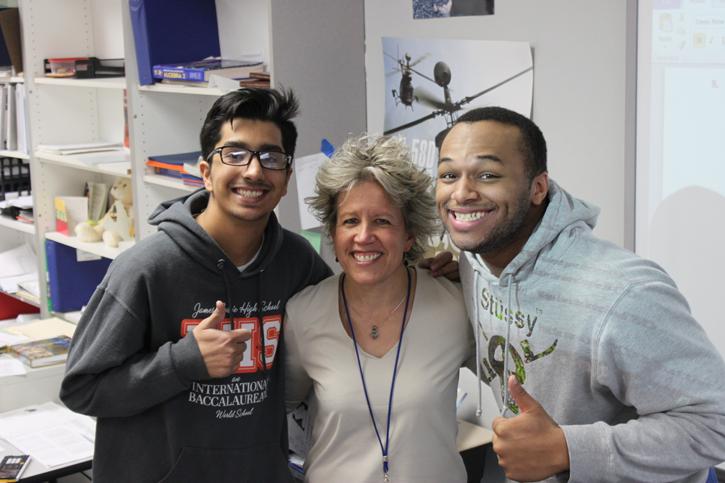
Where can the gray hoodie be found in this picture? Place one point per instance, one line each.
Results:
(606, 343)
(135, 366)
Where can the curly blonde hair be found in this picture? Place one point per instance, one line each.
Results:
(385, 160)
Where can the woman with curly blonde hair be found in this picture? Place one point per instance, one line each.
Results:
(378, 347)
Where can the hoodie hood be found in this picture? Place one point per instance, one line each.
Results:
(176, 218)
(563, 213)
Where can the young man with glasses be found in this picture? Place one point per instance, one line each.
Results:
(177, 353)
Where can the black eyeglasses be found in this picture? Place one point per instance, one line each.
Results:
(239, 156)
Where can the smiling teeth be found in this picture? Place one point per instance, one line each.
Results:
(366, 258)
(468, 216)
(249, 193)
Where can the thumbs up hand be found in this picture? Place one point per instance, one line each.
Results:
(529, 446)
(222, 350)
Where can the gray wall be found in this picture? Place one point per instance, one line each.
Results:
(583, 87)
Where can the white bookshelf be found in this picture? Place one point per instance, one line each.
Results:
(71, 111)
(13, 154)
(101, 83)
(26, 228)
(290, 38)
(12, 80)
(95, 248)
(81, 161)
(183, 89)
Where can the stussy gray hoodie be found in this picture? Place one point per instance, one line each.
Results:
(606, 343)
(135, 366)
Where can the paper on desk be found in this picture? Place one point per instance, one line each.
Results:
(42, 329)
(50, 433)
(305, 172)
(10, 366)
(7, 338)
(12, 284)
(30, 285)
(17, 261)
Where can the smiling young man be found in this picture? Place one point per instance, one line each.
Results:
(621, 383)
(178, 352)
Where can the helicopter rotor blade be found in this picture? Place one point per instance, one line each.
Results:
(393, 72)
(413, 123)
(427, 99)
(420, 59)
(423, 75)
(468, 99)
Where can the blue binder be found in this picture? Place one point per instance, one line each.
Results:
(71, 283)
(176, 31)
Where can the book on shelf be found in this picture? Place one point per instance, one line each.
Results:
(183, 166)
(12, 467)
(225, 83)
(11, 49)
(44, 352)
(201, 70)
(25, 216)
(162, 35)
(72, 279)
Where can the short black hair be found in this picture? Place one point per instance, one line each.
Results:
(277, 106)
(533, 144)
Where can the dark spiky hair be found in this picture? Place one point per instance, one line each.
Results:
(277, 106)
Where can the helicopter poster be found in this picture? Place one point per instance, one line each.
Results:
(451, 8)
(430, 82)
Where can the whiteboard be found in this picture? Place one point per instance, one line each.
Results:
(680, 187)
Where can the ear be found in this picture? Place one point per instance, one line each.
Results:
(205, 169)
(539, 188)
(286, 183)
(409, 242)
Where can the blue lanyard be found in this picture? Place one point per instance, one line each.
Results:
(383, 449)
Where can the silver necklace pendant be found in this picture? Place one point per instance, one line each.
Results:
(374, 332)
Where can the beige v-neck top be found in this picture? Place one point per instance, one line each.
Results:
(320, 356)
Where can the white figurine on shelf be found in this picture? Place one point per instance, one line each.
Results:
(117, 223)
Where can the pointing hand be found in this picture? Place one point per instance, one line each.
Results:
(222, 350)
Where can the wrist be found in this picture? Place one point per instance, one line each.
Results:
(561, 456)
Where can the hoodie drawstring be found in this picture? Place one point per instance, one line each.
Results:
(505, 396)
(227, 299)
(479, 408)
(509, 321)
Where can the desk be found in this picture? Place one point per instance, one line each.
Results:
(37, 472)
(38, 385)
(59, 441)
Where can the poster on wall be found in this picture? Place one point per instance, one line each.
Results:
(451, 8)
(430, 82)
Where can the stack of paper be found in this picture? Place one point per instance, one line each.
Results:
(50, 433)
(84, 148)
